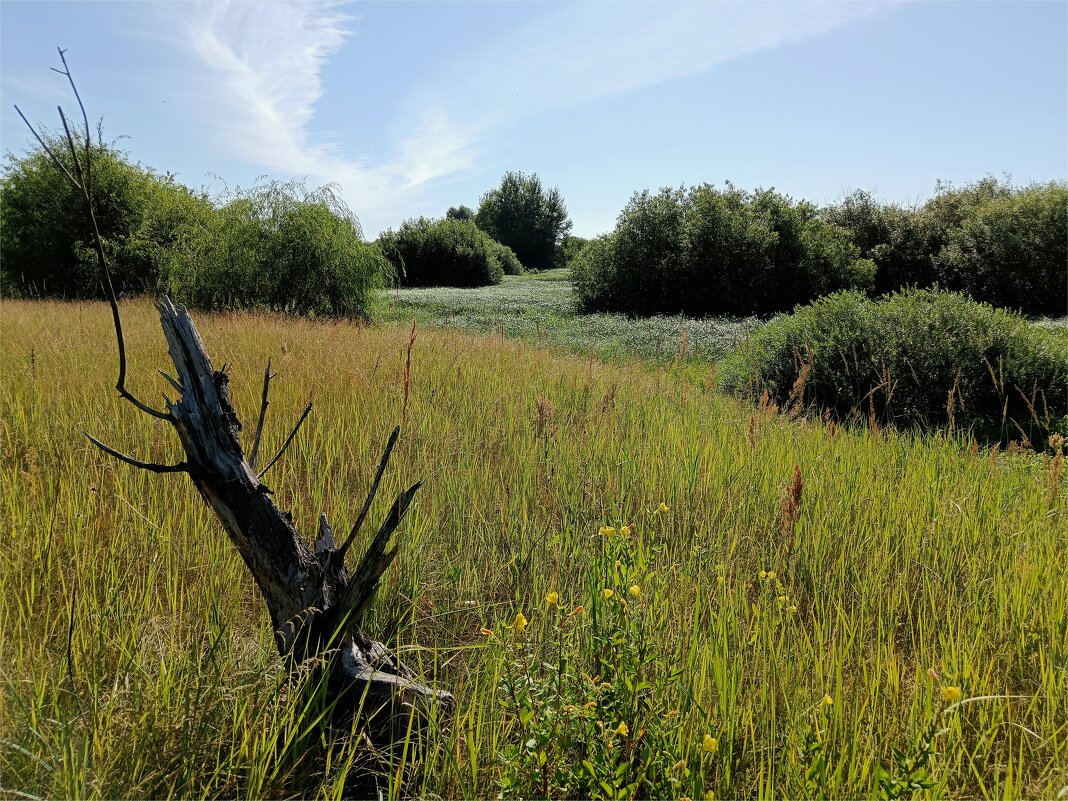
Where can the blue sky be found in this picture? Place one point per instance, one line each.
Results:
(411, 107)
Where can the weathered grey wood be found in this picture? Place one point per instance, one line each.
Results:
(315, 606)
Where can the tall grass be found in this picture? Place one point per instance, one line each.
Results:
(901, 555)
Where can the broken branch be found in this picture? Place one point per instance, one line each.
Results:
(289, 439)
(181, 467)
(340, 556)
(264, 403)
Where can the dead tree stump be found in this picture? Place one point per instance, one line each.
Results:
(316, 605)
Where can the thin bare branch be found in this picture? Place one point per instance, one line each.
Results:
(70, 144)
(87, 192)
(289, 439)
(48, 150)
(172, 381)
(370, 495)
(181, 467)
(364, 580)
(81, 105)
(264, 403)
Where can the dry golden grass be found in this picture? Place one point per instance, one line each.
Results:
(909, 554)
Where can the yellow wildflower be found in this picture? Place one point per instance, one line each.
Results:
(793, 608)
(827, 700)
(782, 600)
(607, 531)
(709, 744)
(662, 507)
(951, 694)
(552, 599)
(520, 622)
(607, 593)
(634, 591)
(622, 729)
(771, 575)
(763, 574)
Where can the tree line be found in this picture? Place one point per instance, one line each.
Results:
(698, 251)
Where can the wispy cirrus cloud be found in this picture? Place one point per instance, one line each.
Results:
(260, 81)
(261, 75)
(585, 51)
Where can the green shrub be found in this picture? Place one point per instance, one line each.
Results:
(1011, 249)
(281, 247)
(506, 257)
(604, 727)
(442, 253)
(708, 251)
(996, 242)
(570, 247)
(460, 212)
(899, 241)
(916, 358)
(46, 244)
(593, 272)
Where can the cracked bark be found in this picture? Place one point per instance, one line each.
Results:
(316, 606)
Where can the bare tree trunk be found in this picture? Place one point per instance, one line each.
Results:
(316, 606)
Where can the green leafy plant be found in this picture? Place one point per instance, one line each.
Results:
(916, 358)
(710, 251)
(278, 246)
(447, 252)
(911, 770)
(45, 248)
(593, 702)
(996, 242)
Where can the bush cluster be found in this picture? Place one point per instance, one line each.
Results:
(448, 252)
(914, 358)
(710, 251)
(996, 242)
(46, 240)
(276, 245)
(570, 247)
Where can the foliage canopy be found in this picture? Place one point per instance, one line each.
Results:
(526, 217)
(46, 240)
(447, 252)
(915, 358)
(709, 251)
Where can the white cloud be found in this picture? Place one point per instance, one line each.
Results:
(260, 76)
(590, 50)
(258, 85)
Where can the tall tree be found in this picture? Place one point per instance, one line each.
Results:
(526, 217)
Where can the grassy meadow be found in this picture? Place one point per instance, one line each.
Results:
(794, 602)
(541, 309)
